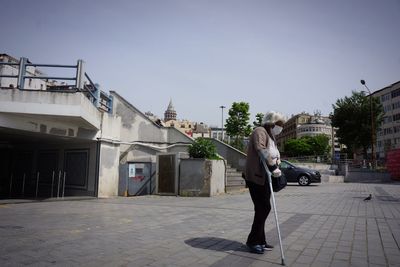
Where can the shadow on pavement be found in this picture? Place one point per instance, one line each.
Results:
(216, 243)
(238, 254)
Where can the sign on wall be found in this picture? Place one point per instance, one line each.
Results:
(136, 171)
(131, 170)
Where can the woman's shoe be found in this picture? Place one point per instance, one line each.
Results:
(267, 247)
(258, 249)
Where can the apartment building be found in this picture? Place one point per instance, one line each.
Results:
(388, 133)
(304, 124)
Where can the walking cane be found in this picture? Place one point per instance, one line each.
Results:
(275, 211)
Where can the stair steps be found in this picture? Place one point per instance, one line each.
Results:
(234, 182)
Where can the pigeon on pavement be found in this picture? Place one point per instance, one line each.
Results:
(368, 198)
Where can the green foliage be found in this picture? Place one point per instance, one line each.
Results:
(258, 121)
(237, 125)
(238, 144)
(319, 144)
(296, 147)
(307, 145)
(203, 148)
(352, 117)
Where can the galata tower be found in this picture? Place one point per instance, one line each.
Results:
(170, 113)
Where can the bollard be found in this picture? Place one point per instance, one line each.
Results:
(23, 185)
(11, 179)
(58, 184)
(64, 185)
(37, 183)
(52, 184)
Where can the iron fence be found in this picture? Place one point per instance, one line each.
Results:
(83, 83)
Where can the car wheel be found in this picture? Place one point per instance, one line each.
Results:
(304, 180)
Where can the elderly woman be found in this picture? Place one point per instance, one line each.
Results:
(262, 147)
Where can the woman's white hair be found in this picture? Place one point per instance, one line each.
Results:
(272, 117)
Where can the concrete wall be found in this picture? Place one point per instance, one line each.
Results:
(349, 176)
(326, 178)
(63, 122)
(127, 135)
(141, 138)
(315, 166)
(110, 127)
(234, 157)
(367, 177)
(109, 155)
(135, 125)
(67, 114)
(199, 177)
(108, 170)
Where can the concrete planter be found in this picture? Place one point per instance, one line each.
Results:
(202, 177)
(367, 177)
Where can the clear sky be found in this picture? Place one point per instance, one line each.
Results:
(289, 56)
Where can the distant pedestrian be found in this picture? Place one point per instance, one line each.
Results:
(262, 145)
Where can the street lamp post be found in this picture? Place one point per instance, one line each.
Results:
(222, 122)
(372, 126)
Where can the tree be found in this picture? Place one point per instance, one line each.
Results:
(237, 125)
(307, 146)
(297, 147)
(319, 144)
(203, 148)
(258, 121)
(352, 117)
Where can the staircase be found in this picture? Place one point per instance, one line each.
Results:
(234, 180)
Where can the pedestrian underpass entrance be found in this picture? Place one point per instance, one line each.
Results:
(38, 167)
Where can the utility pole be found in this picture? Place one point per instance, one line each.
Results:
(222, 122)
(372, 126)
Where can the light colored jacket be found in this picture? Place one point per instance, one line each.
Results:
(260, 144)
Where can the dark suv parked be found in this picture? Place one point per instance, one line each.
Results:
(300, 175)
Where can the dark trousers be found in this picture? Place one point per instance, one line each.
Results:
(260, 194)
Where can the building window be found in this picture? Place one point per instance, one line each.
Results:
(387, 108)
(387, 119)
(379, 143)
(387, 131)
(387, 143)
(396, 117)
(385, 97)
(396, 105)
(396, 93)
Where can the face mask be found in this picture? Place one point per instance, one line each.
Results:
(277, 129)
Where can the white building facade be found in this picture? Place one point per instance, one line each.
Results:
(388, 133)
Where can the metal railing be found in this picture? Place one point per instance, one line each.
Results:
(310, 159)
(31, 185)
(83, 83)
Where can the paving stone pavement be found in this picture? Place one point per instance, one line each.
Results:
(321, 225)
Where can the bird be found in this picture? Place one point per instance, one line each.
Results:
(368, 197)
